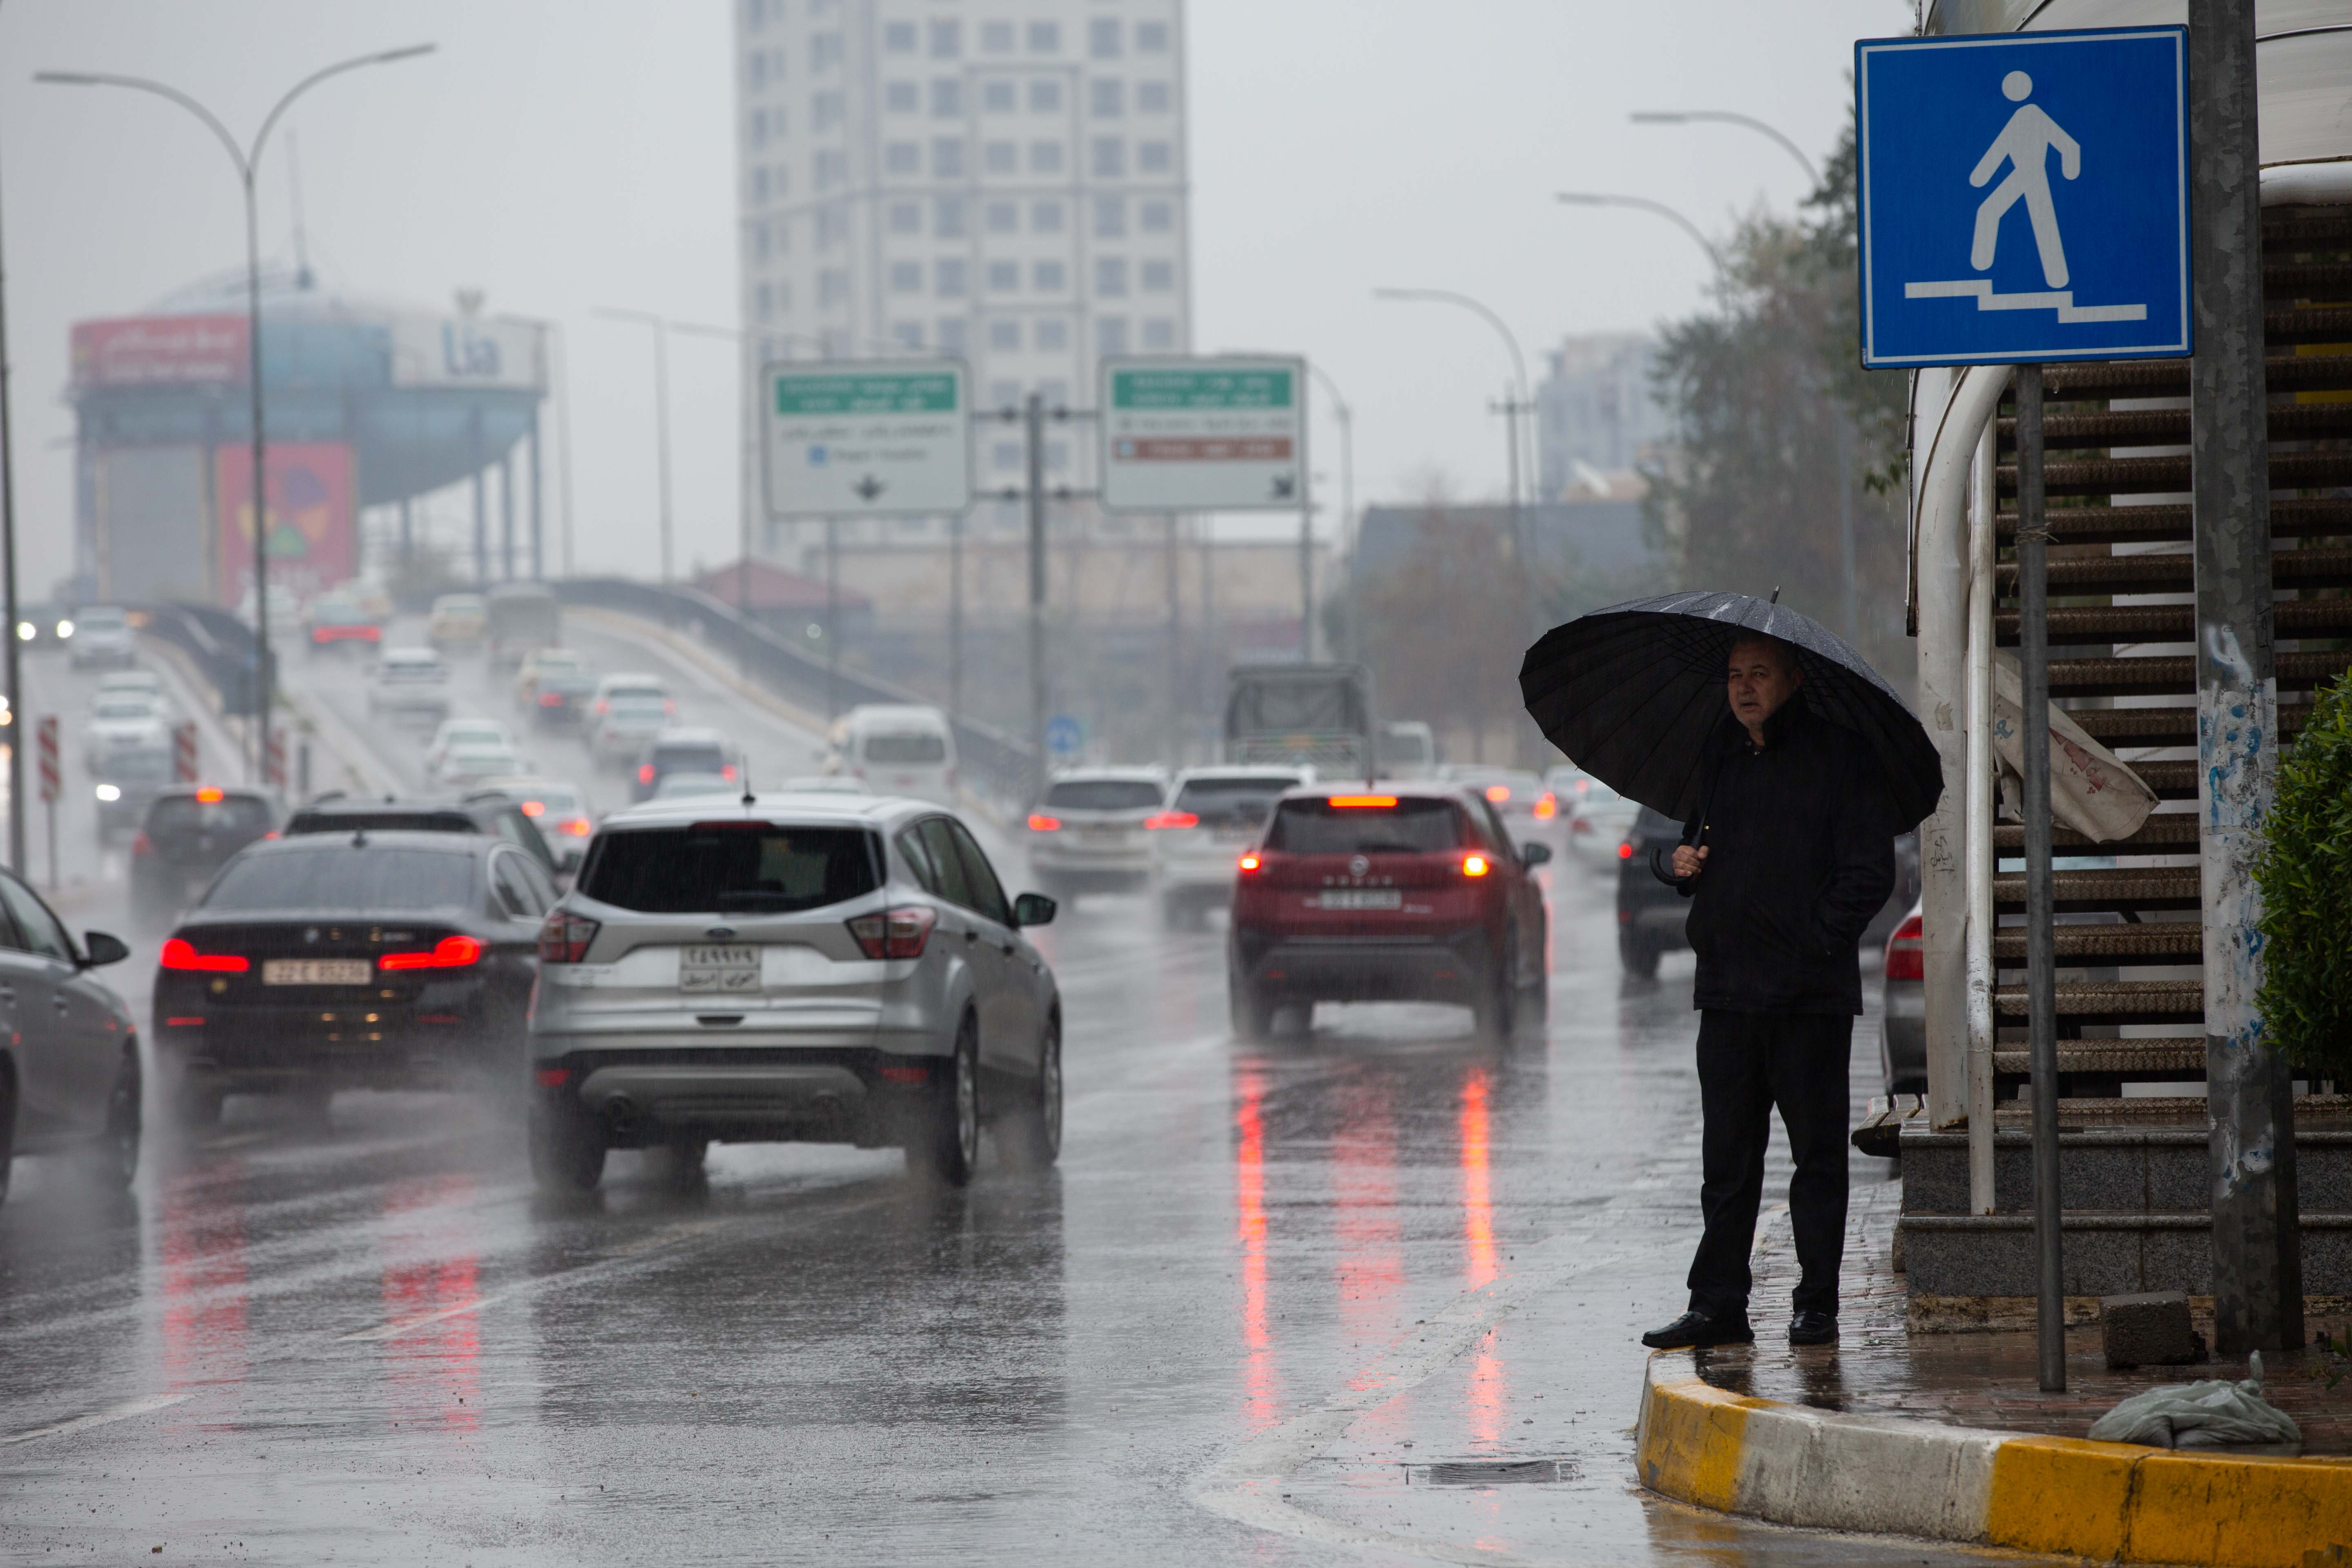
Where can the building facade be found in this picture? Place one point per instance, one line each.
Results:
(1596, 414)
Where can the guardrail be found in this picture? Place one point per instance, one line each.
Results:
(988, 757)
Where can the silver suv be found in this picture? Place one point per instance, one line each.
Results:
(805, 968)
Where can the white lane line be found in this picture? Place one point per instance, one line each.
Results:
(393, 1330)
(123, 1411)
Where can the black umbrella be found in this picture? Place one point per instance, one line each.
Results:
(1635, 695)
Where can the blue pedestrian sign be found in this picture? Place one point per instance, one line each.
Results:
(1063, 735)
(2023, 196)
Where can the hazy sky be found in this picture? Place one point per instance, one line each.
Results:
(563, 154)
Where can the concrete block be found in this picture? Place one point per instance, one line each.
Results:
(2149, 1329)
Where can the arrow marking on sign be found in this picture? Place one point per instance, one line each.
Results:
(868, 488)
(2062, 302)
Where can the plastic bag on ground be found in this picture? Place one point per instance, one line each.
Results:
(2215, 1415)
(2091, 790)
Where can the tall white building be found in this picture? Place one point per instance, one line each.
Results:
(1003, 180)
(1597, 413)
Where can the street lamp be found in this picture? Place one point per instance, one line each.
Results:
(1643, 203)
(661, 413)
(1725, 117)
(1346, 500)
(247, 161)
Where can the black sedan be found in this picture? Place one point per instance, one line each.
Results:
(188, 835)
(362, 959)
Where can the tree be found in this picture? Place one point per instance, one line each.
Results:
(1445, 630)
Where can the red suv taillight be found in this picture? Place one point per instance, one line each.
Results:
(450, 953)
(895, 933)
(179, 952)
(565, 937)
(1904, 957)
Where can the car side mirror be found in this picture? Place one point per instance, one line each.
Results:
(101, 948)
(1535, 855)
(1034, 909)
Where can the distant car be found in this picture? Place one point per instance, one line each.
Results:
(457, 621)
(188, 834)
(73, 1086)
(120, 723)
(101, 637)
(1651, 914)
(1529, 809)
(1406, 892)
(633, 686)
(44, 625)
(518, 618)
(675, 787)
(1903, 1013)
(369, 960)
(130, 684)
(1214, 813)
(485, 812)
(466, 767)
(558, 810)
(1090, 832)
(843, 971)
(409, 684)
(683, 751)
(553, 687)
(897, 748)
(1406, 749)
(456, 733)
(623, 726)
(339, 623)
(1598, 817)
(125, 781)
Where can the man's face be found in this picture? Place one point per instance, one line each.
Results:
(1761, 677)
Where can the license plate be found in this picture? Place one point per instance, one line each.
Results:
(1360, 899)
(709, 968)
(315, 971)
(1106, 831)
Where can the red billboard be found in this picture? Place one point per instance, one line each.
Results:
(312, 504)
(148, 350)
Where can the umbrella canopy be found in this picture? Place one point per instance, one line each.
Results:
(1635, 695)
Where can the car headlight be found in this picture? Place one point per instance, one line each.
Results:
(109, 792)
(65, 629)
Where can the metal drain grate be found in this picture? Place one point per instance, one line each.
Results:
(1492, 1472)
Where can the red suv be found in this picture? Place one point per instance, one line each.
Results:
(1413, 893)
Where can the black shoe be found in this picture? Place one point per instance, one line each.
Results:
(1813, 1329)
(1698, 1329)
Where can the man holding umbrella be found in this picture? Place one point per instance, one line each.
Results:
(1793, 766)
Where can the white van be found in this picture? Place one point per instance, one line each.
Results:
(897, 749)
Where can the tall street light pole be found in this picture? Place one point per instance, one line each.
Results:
(1725, 117)
(661, 413)
(1347, 419)
(8, 592)
(247, 161)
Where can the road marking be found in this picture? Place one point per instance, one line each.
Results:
(123, 1411)
(393, 1330)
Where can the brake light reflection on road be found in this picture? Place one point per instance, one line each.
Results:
(1478, 1253)
(1261, 1384)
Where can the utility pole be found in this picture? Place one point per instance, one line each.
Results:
(2041, 939)
(1034, 425)
(16, 722)
(832, 618)
(955, 617)
(1172, 739)
(2257, 1255)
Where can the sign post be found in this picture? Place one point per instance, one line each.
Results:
(2023, 197)
(46, 748)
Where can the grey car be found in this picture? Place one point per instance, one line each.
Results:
(804, 968)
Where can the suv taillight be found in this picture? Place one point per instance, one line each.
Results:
(1905, 960)
(895, 933)
(565, 937)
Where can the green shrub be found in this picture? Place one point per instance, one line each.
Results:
(2305, 875)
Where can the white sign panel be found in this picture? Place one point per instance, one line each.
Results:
(466, 351)
(879, 439)
(1203, 435)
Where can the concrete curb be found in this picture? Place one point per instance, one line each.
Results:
(2115, 1502)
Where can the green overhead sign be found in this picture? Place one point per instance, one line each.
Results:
(923, 392)
(1201, 388)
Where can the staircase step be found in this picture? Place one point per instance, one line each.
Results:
(2169, 475)
(2125, 1058)
(2169, 941)
(2291, 281)
(2290, 519)
(2098, 381)
(2170, 427)
(2113, 1001)
(2176, 674)
(2306, 324)
(2326, 567)
(2293, 619)
(2167, 833)
(2153, 1111)
(2121, 888)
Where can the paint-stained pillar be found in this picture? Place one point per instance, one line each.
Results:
(2257, 1265)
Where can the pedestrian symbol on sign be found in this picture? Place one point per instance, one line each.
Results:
(2025, 144)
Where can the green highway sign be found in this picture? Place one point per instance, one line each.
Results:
(1203, 435)
(883, 439)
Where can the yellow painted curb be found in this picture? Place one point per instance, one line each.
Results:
(1690, 1443)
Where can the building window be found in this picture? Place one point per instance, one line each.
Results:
(1001, 158)
(950, 278)
(909, 334)
(1006, 454)
(1110, 277)
(1158, 217)
(947, 158)
(1004, 277)
(1152, 38)
(1052, 335)
(951, 335)
(901, 98)
(1102, 39)
(832, 287)
(755, 14)
(1158, 276)
(1044, 96)
(780, 181)
(947, 217)
(1159, 332)
(825, 111)
(1003, 218)
(1044, 157)
(946, 38)
(906, 278)
(1057, 453)
(755, 70)
(899, 37)
(758, 186)
(825, 51)
(759, 244)
(832, 168)
(1111, 217)
(1048, 278)
(763, 301)
(1110, 158)
(902, 158)
(756, 133)
(1152, 97)
(996, 97)
(1106, 98)
(1153, 157)
(1003, 334)
(1046, 217)
(1045, 37)
(906, 218)
(947, 97)
(831, 228)
(996, 37)
(1110, 335)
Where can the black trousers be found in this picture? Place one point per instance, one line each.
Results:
(1748, 1063)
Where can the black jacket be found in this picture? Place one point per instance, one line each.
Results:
(1799, 836)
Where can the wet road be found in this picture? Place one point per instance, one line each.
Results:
(1265, 1291)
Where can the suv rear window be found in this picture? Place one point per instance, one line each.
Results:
(388, 821)
(346, 876)
(730, 867)
(913, 747)
(1105, 794)
(689, 759)
(175, 814)
(1233, 799)
(1414, 825)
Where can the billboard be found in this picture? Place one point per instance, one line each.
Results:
(467, 350)
(159, 350)
(311, 493)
